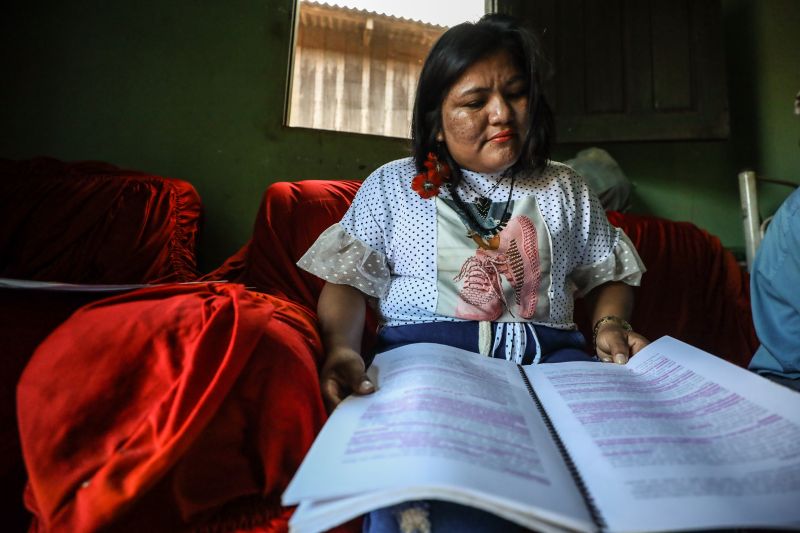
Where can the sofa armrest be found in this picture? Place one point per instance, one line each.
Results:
(92, 222)
(694, 288)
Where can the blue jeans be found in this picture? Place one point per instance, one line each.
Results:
(439, 516)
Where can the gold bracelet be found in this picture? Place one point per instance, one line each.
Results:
(621, 322)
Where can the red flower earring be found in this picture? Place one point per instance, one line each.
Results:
(427, 183)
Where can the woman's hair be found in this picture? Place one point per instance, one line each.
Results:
(458, 49)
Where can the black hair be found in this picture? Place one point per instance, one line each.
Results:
(455, 51)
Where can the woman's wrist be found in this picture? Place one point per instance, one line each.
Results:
(341, 353)
(606, 321)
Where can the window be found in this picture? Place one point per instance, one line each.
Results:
(356, 63)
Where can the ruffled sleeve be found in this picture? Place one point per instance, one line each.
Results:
(340, 258)
(623, 264)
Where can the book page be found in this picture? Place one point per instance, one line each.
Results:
(678, 439)
(447, 423)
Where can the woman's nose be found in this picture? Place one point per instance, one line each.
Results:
(499, 110)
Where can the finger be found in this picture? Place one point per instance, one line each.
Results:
(333, 392)
(605, 357)
(636, 342)
(620, 358)
(338, 383)
(363, 385)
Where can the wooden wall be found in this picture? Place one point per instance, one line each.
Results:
(355, 71)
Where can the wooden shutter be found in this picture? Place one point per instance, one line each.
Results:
(625, 70)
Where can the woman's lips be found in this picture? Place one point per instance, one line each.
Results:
(503, 136)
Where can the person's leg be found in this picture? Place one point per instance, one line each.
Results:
(567, 355)
(557, 346)
(434, 516)
(462, 335)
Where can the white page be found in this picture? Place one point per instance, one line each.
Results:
(678, 439)
(459, 424)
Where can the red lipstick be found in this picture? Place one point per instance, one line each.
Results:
(502, 136)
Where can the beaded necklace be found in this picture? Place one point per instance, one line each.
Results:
(482, 218)
(483, 203)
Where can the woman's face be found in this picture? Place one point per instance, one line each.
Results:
(484, 115)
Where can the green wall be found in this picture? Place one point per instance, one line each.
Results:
(195, 90)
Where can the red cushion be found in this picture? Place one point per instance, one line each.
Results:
(86, 222)
(289, 220)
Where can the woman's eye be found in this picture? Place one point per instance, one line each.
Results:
(474, 104)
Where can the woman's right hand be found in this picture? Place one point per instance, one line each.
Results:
(342, 374)
(341, 311)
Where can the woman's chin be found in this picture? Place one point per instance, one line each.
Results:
(502, 158)
(499, 165)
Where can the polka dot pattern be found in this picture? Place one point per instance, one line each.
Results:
(390, 219)
(340, 258)
(388, 216)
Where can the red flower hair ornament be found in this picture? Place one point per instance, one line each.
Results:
(427, 183)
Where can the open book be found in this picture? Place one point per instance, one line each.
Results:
(676, 439)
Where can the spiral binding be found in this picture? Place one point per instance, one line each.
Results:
(597, 517)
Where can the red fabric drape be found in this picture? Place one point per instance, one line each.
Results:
(169, 406)
(92, 222)
(26, 318)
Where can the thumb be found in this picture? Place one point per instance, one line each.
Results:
(358, 381)
(619, 351)
(363, 385)
(615, 345)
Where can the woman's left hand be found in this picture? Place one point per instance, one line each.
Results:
(616, 345)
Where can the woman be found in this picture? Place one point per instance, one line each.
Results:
(478, 240)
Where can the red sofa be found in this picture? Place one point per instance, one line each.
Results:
(191, 406)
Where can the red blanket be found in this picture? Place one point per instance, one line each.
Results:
(167, 407)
